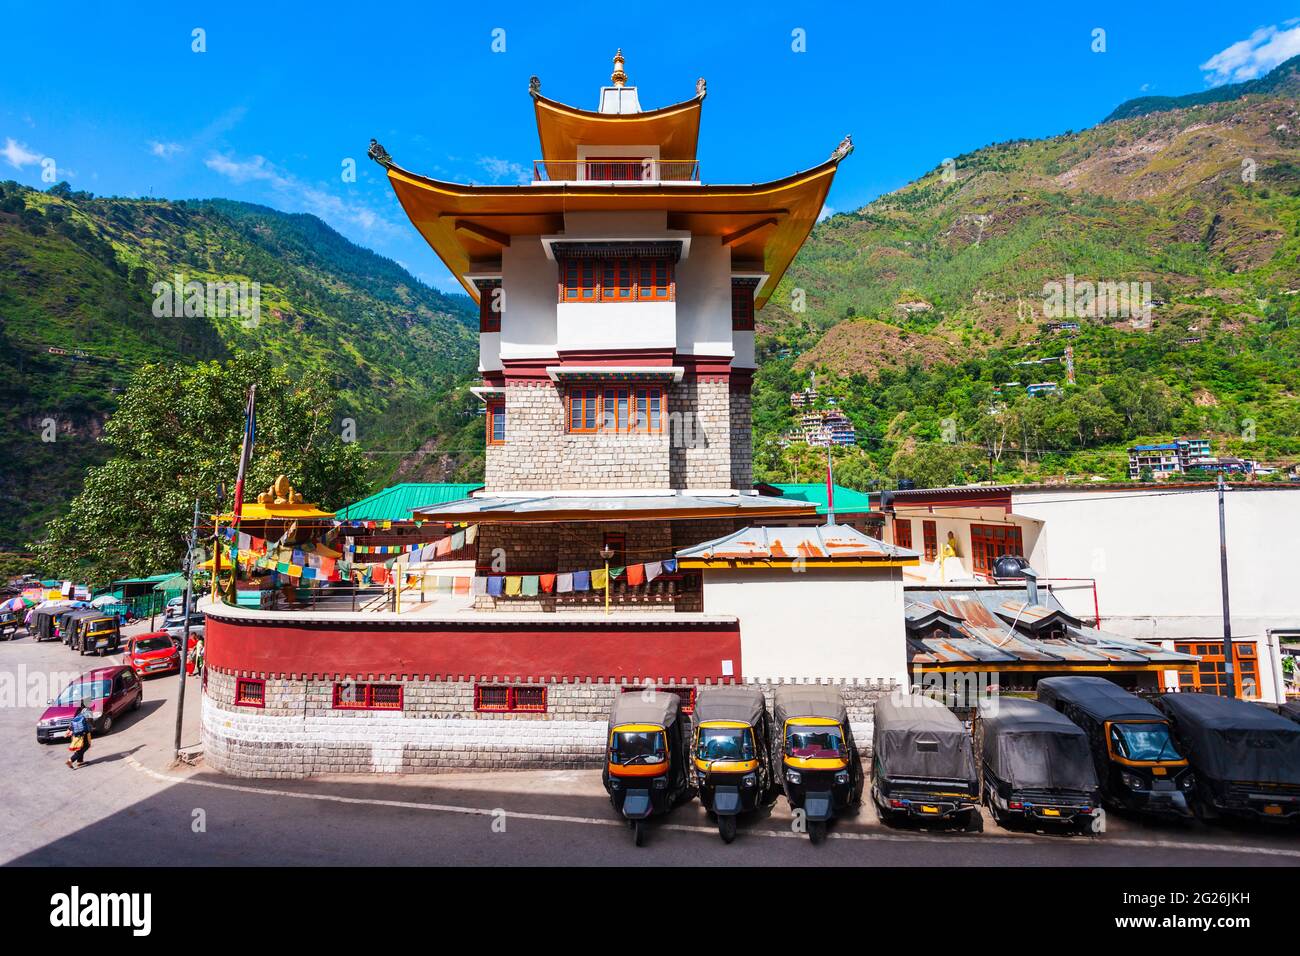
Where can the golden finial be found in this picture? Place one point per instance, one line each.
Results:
(618, 77)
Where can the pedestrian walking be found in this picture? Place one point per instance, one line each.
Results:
(82, 722)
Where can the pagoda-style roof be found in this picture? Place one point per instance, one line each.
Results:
(562, 129)
(764, 223)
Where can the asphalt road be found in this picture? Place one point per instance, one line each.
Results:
(129, 807)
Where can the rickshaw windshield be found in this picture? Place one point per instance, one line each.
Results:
(725, 743)
(814, 742)
(638, 747)
(1146, 741)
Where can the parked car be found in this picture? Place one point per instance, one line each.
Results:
(176, 629)
(154, 653)
(112, 691)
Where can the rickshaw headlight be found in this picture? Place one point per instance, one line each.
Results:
(794, 776)
(1132, 781)
(749, 780)
(842, 777)
(1188, 780)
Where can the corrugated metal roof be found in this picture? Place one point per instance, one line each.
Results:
(819, 541)
(847, 500)
(396, 502)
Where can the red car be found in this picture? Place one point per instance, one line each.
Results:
(154, 653)
(111, 691)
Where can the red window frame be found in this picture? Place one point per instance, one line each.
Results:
(988, 542)
(489, 317)
(616, 279)
(903, 532)
(510, 699)
(632, 409)
(930, 539)
(655, 280)
(1207, 675)
(742, 306)
(496, 412)
(368, 696)
(245, 684)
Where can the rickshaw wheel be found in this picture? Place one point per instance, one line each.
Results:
(638, 832)
(816, 831)
(974, 821)
(727, 828)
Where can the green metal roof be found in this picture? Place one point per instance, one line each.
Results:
(395, 503)
(847, 501)
(149, 580)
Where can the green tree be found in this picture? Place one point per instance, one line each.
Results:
(175, 437)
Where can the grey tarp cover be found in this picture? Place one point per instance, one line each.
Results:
(725, 702)
(1097, 697)
(1031, 746)
(915, 736)
(639, 707)
(808, 700)
(1231, 739)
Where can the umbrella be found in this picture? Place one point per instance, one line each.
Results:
(104, 599)
(13, 604)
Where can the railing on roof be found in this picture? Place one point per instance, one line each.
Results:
(616, 170)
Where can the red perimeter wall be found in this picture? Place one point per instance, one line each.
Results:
(532, 650)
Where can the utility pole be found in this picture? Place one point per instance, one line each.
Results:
(1228, 674)
(830, 486)
(185, 634)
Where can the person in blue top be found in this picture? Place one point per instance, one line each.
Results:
(82, 722)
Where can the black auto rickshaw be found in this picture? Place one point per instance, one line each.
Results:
(813, 751)
(43, 623)
(98, 634)
(923, 767)
(1245, 757)
(646, 755)
(9, 624)
(1137, 763)
(1036, 766)
(65, 622)
(731, 753)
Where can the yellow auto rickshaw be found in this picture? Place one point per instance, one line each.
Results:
(731, 753)
(814, 752)
(646, 753)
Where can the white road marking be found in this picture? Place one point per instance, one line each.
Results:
(688, 828)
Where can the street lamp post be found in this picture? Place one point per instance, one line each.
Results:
(1229, 675)
(185, 633)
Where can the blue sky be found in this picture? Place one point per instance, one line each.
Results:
(117, 97)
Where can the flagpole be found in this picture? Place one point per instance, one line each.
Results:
(245, 456)
(830, 488)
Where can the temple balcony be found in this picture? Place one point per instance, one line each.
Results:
(613, 170)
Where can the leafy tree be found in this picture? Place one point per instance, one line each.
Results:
(175, 437)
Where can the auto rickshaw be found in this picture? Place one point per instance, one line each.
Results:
(1037, 768)
(42, 620)
(1246, 758)
(646, 755)
(68, 623)
(923, 767)
(9, 623)
(1137, 763)
(731, 753)
(98, 634)
(813, 750)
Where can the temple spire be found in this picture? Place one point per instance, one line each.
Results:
(618, 77)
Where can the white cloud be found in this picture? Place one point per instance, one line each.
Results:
(294, 193)
(1254, 56)
(164, 150)
(500, 169)
(826, 213)
(18, 154)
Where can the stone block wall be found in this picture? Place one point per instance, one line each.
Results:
(300, 734)
(704, 419)
(742, 440)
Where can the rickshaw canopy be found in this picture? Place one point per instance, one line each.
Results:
(1233, 739)
(1098, 697)
(729, 702)
(915, 736)
(654, 708)
(1031, 746)
(792, 701)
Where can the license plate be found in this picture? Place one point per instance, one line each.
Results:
(926, 808)
(1157, 771)
(1273, 808)
(1051, 812)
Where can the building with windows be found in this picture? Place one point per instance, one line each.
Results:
(1172, 457)
(617, 293)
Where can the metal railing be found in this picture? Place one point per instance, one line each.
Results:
(616, 170)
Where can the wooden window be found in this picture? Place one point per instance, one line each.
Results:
(649, 409)
(988, 542)
(583, 410)
(1208, 675)
(491, 303)
(903, 532)
(505, 699)
(617, 408)
(616, 541)
(742, 305)
(250, 692)
(496, 422)
(351, 696)
(930, 537)
(655, 280)
(618, 278)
